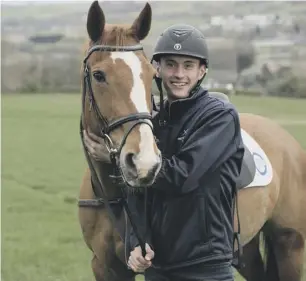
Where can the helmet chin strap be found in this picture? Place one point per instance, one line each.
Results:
(197, 86)
(158, 82)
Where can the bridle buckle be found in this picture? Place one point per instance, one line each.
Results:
(109, 144)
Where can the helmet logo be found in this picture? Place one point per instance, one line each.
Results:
(177, 46)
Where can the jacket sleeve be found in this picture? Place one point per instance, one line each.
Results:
(139, 205)
(216, 138)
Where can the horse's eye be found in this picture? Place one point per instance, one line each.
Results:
(99, 76)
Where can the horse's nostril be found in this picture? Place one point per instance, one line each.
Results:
(129, 160)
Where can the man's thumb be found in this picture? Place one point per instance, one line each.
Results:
(150, 254)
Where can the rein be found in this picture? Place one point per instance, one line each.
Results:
(105, 129)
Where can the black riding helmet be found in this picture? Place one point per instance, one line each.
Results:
(182, 39)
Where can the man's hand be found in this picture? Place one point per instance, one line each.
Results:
(95, 146)
(137, 262)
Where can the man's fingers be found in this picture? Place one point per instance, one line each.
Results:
(86, 139)
(135, 266)
(94, 137)
(149, 256)
(138, 260)
(91, 138)
(138, 268)
(150, 253)
(88, 145)
(141, 261)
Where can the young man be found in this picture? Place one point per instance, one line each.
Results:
(191, 203)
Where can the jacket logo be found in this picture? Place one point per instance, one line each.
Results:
(182, 136)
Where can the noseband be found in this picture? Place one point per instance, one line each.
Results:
(106, 127)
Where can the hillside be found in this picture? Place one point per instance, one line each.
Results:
(222, 22)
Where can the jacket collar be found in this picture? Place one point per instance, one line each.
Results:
(179, 106)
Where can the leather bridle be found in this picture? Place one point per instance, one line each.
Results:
(105, 128)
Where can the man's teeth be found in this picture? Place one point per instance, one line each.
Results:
(178, 84)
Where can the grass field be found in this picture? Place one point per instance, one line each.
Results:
(42, 166)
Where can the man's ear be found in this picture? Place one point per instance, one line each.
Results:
(203, 70)
(158, 70)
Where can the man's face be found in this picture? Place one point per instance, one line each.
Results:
(179, 74)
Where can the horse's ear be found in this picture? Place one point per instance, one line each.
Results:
(95, 21)
(142, 24)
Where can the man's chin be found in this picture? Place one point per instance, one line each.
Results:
(179, 94)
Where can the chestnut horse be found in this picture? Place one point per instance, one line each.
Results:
(116, 105)
(278, 210)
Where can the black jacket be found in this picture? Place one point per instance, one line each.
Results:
(190, 214)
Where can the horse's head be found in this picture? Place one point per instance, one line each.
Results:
(117, 94)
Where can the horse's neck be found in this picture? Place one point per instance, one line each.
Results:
(104, 170)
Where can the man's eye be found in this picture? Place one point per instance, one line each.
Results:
(99, 76)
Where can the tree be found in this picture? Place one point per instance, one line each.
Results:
(245, 56)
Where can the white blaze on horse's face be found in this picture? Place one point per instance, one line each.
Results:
(148, 159)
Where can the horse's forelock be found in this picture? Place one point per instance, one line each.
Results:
(113, 35)
(117, 35)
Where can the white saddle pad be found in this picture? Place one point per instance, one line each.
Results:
(264, 171)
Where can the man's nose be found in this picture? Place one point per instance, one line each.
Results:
(179, 72)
